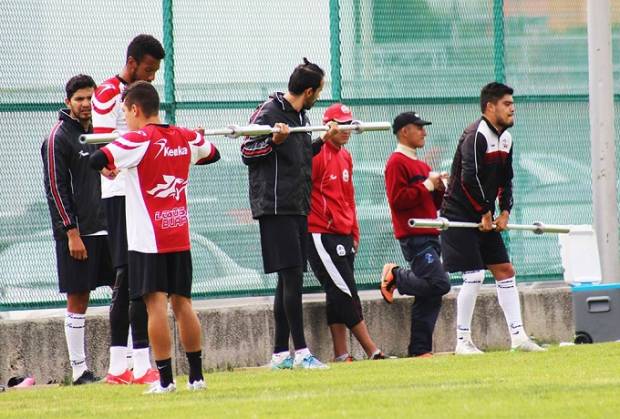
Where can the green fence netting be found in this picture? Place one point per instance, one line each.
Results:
(381, 57)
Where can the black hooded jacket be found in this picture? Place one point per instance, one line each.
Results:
(72, 188)
(280, 176)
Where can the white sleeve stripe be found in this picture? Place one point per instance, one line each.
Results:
(127, 142)
(107, 104)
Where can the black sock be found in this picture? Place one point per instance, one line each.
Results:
(165, 371)
(194, 359)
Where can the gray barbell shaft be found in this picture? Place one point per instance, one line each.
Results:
(444, 224)
(254, 131)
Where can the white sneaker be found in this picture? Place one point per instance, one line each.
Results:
(466, 347)
(196, 385)
(309, 362)
(528, 346)
(156, 388)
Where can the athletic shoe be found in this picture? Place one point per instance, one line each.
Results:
(466, 347)
(124, 378)
(425, 355)
(87, 377)
(388, 282)
(378, 356)
(196, 385)
(20, 382)
(150, 376)
(528, 346)
(278, 363)
(310, 362)
(346, 360)
(156, 388)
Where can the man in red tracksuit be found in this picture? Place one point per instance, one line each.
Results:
(413, 190)
(334, 237)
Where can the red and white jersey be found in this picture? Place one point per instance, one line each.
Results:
(332, 199)
(107, 117)
(157, 160)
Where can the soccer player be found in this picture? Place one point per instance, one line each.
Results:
(158, 158)
(334, 237)
(144, 54)
(280, 178)
(73, 193)
(481, 174)
(413, 190)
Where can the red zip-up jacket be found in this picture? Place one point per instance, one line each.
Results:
(332, 200)
(407, 195)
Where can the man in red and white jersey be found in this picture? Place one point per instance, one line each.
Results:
(158, 158)
(144, 54)
(334, 237)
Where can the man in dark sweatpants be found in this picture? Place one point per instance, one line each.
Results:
(413, 190)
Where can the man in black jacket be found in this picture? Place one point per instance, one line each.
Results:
(73, 193)
(280, 178)
(481, 174)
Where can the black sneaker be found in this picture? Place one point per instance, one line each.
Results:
(377, 356)
(87, 377)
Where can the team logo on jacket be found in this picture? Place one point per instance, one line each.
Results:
(340, 250)
(345, 175)
(172, 186)
(170, 151)
(429, 258)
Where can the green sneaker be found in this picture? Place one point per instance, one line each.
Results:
(281, 363)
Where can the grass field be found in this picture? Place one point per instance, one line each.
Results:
(577, 381)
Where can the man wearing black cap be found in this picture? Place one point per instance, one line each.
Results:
(413, 190)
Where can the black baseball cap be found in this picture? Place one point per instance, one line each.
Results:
(407, 118)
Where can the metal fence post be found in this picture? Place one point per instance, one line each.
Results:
(334, 38)
(169, 86)
(498, 41)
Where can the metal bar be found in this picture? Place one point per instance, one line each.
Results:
(169, 86)
(444, 224)
(498, 41)
(603, 148)
(255, 131)
(334, 46)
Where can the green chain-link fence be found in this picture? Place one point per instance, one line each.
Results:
(381, 57)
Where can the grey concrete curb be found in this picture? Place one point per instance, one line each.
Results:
(238, 332)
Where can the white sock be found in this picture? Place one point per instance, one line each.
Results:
(343, 357)
(74, 335)
(141, 362)
(118, 360)
(300, 354)
(508, 298)
(465, 303)
(129, 350)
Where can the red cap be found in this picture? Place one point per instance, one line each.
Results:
(338, 112)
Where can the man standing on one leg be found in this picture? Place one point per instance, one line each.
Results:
(414, 191)
(334, 237)
(280, 170)
(158, 159)
(73, 193)
(144, 54)
(481, 174)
